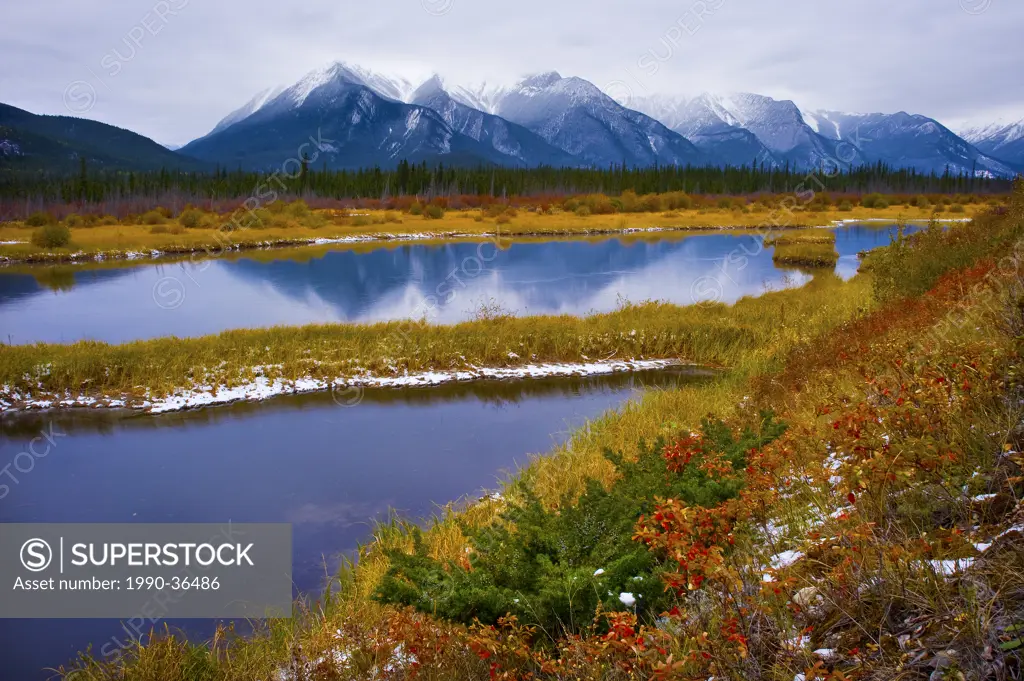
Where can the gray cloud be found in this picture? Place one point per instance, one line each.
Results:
(170, 69)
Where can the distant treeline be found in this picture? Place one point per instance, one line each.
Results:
(118, 193)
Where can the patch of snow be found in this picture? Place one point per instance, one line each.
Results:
(951, 566)
(262, 388)
(785, 559)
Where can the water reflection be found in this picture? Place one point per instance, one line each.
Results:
(445, 283)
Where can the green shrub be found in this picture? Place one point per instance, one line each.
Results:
(599, 204)
(416, 208)
(725, 203)
(190, 218)
(51, 236)
(73, 220)
(845, 206)
(360, 221)
(261, 218)
(652, 203)
(314, 220)
(433, 212)
(38, 219)
(158, 229)
(298, 209)
(956, 208)
(874, 201)
(540, 565)
(677, 201)
(582, 211)
(153, 217)
(503, 219)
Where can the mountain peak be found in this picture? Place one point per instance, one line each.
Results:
(431, 86)
(395, 88)
(540, 80)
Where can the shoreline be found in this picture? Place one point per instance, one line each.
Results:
(212, 251)
(382, 237)
(349, 388)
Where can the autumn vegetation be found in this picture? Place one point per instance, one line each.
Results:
(205, 231)
(843, 504)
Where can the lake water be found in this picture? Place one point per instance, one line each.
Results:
(444, 283)
(328, 470)
(852, 239)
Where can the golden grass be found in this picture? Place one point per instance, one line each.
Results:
(804, 248)
(708, 334)
(118, 239)
(57, 274)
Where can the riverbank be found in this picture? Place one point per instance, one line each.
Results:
(841, 504)
(250, 363)
(346, 391)
(133, 241)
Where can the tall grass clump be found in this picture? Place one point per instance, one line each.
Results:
(52, 235)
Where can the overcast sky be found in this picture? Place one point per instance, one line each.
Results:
(170, 69)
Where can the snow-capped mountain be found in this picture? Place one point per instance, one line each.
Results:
(739, 127)
(576, 116)
(905, 140)
(503, 136)
(709, 125)
(548, 119)
(481, 96)
(1003, 140)
(342, 118)
(807, 138)
(248, 109)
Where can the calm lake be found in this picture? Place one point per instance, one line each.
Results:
(328, 470)
(444, 283)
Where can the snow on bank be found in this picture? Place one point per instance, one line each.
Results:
(263, 388)
(220, 249)
(853, 221)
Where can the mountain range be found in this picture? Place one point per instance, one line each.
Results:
(58, 143)
(351, 117)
